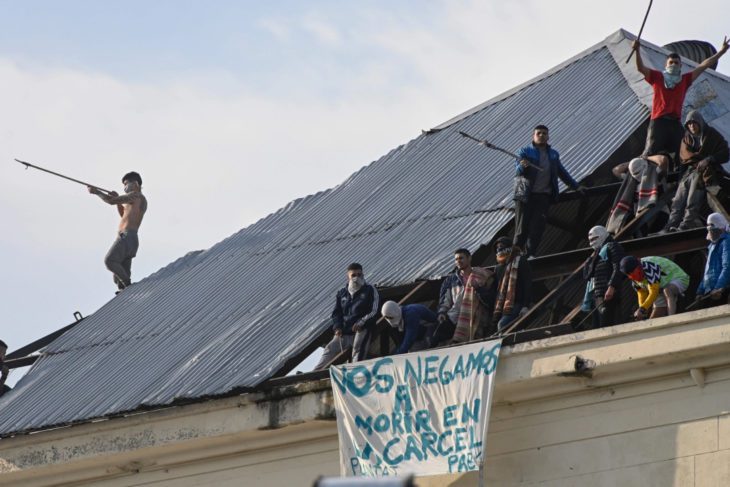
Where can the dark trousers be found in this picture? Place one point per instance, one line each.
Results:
(530, 220)
(664, 136)
(443, 332)
(607, 312)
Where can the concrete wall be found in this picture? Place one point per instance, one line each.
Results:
(653, 409)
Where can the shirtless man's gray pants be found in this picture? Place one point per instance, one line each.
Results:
(119, 258)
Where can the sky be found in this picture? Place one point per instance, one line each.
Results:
(230, 109)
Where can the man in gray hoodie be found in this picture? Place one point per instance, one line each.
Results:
(701, 155)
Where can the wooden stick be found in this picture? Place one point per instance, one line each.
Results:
(640, 31)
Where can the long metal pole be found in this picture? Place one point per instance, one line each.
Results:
(646, 16)
(494, 147)
(28, 164)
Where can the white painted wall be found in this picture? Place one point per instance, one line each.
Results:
(640, 420)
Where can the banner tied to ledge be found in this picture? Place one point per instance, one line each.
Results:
(421, 413)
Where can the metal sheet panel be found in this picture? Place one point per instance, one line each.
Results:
(227, 318)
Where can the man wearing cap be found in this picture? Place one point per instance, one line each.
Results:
(356, 306)
(539, 165)
(713, 289)
(702, 153)
(514, 282)
(658, 283)
(603, 277)
(670, 88)
(414, 321)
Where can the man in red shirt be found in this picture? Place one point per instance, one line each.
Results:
(670, 86)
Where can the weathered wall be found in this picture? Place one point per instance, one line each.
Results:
(641, 418)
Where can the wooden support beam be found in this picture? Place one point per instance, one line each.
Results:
(522, 322)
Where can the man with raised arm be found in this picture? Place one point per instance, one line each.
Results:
(539, 164)
(131, 206)
(670, 87)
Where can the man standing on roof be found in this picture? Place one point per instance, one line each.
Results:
(4, 371)
(670, 87)
(415, 321)
(702, 153)
(514, 283)
(465, 300)
(658, 283)
(131, 206)
(539, 167)
(603, 275)
(713, 289)
(356, 306)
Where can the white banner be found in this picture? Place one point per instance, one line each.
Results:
(421, 413)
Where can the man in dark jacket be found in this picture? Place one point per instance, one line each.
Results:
(538, 164)
(715, 284)
(415, 321)
(603, 275)
(514, 283)
(702, 153)
(356, 307)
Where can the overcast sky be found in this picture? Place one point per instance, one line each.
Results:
(230, 109)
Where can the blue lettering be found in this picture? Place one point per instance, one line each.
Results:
(386, 379)
(412, 449)
(431, 377)
(473, 415)
(366, 424)
(445, 375)
(352, 386)
(453, 461)
(386, 453)
(423, 420)
(382, 423)
(403, 395)
(459, 367)
(417, 376)
(440, 445)
(428, 440)
(449, 418)
(396, 420)
(459, 434)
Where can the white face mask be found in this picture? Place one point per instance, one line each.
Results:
(129, 187)
(355, 284)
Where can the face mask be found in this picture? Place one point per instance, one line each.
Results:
(637, 275)
(355, 284)
(128, 188)
(673, 69)
(503, 254)
(714, 234)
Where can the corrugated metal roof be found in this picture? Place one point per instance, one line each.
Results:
(229, 317)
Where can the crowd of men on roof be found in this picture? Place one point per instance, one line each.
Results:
(476, 301)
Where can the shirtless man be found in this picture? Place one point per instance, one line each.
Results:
(131, 207)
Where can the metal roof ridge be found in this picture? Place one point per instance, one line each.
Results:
(530, 82)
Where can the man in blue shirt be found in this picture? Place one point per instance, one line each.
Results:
(540, 167)
(716, 279)
(416, 321)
